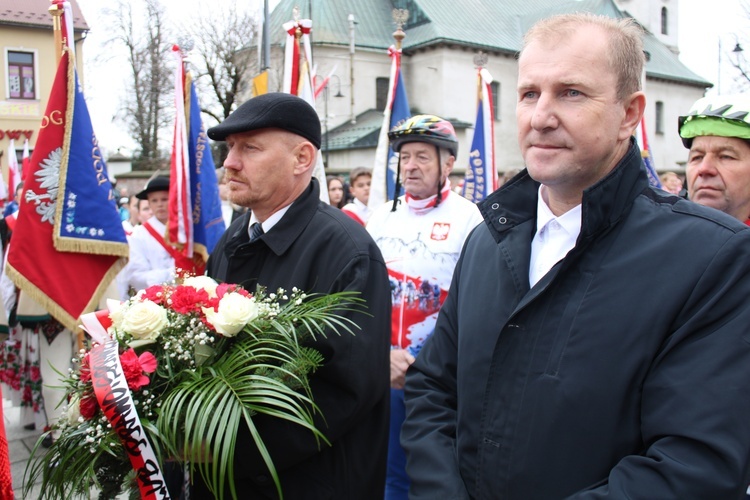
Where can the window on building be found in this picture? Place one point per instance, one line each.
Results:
(664, 20)
(495, 90)
(21, 78)
(659, 117)
(381, 93)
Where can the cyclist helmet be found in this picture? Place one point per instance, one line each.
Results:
(722, 115)
(424, 128)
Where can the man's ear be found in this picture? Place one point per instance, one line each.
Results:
(306, 155)
(635, 105)
(448, 167)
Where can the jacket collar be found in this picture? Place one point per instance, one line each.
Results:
(604, 203)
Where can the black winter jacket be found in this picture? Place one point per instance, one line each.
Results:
(623, 373)
(318, 249)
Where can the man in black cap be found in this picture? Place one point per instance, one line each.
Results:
(291, 239)
(151, 261)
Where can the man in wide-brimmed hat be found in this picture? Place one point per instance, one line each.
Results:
(151, 262)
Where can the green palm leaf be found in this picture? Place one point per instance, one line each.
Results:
(200, 418)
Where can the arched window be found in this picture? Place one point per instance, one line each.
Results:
(664, 20)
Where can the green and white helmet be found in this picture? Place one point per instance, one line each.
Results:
(722, 115)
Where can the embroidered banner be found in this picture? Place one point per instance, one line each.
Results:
(68, 243)
(481, 175)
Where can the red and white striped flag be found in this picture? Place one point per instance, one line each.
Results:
(14, 175)
(180, 225)
(25, 160)
(299, 75)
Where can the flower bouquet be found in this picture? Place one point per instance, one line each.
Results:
(173, 373)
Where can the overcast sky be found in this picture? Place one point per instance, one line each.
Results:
(703, 26)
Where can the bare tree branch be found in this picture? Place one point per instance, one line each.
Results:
(146, 107)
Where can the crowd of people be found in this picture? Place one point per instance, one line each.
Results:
(577, 334)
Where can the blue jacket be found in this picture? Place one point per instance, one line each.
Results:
(623, 373)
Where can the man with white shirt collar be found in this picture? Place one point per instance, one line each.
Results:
(151, 262)
(290, 239)
(594, 340)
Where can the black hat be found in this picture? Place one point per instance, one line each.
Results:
(160, 183)
(274, 110)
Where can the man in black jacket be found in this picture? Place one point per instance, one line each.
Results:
(594, 342)
(291, 239)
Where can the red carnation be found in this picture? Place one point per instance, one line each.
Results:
(134, 366)
(187, 299)
(156, 293)
(88, 406)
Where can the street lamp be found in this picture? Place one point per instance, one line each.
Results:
(325, 109)
(736, 52)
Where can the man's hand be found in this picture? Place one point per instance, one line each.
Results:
(400, 361)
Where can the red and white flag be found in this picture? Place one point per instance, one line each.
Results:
(25, 160)
(299, 75)
(14, 175)
(180, 225)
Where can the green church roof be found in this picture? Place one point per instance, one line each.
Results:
(490, 26)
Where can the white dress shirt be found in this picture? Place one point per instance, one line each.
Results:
(268, 223)
(554, 238)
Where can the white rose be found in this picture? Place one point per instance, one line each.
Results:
(234, 312)
(117, 316)
(202, 283)
(144, 320)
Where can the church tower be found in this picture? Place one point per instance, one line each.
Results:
(657, 16)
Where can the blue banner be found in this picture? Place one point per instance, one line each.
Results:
(86, 218)
(475, 188)
(208, 224)
(399, 112)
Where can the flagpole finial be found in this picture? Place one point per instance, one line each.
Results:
(298, 29)
(56, 11)
(400, 16)
(185, 45)
(480, 59)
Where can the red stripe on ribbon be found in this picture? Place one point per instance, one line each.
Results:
(116, 401)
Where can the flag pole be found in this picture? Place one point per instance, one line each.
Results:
(56, 11)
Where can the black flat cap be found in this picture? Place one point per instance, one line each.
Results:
(274, 110)
(159, 183)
